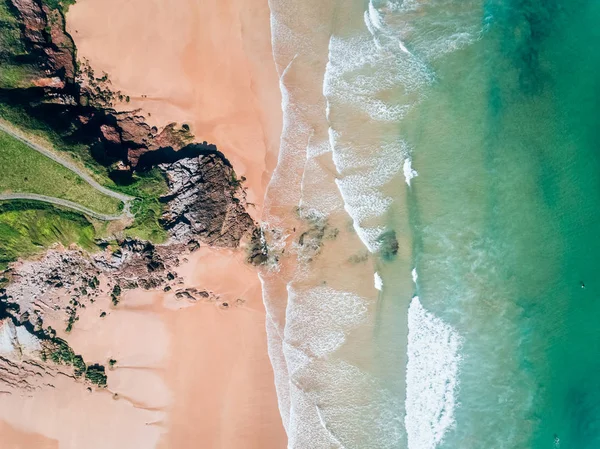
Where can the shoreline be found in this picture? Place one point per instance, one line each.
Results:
(184, 371)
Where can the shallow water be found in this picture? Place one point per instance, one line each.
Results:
(457, 139)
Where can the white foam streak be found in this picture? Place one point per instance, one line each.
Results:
(414, 275)
(431, 377)
(378, 281)
(403, 48)
(409, 172)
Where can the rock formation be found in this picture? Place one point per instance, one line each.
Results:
(45, 36)
(205, 201)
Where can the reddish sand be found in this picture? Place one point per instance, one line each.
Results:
(11, 438)
(224, 395)
(188, 375)
(206, 63)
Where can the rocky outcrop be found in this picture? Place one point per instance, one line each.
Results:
(258, 252)
(62, 281)
(138, 263)
(128, 137)
(75, 101)
(205, 201)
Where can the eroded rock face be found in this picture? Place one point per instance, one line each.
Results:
(44, 32)
(205, 201)
(34, 20)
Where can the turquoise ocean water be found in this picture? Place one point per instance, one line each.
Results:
(467, 132)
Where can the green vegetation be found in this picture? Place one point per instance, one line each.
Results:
(59, 351)
(30, 227)
(14, 76)
(26, 228)
(28, 171)
(79, 365)
(96, 374)
(72, 312)
(63, 5)
(35, 127)
(147, 187)
(115, 294)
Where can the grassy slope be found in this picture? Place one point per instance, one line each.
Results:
(25, 170)
(27, 228)
(147, 188)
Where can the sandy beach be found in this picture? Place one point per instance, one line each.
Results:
(13, 438)
(187, 374)
(208, 64)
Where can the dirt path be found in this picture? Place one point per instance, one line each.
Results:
(126, 199)
(65, 203)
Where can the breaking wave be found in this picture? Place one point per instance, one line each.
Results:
(431, 377)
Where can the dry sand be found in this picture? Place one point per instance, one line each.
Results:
(206, 63)
(188, 375)
(12, 438)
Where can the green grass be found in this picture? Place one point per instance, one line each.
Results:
(25, 170)
(147, 188)
(79, 153)
(63, 5)
(96, 374)
(27, 228)
(13, 76)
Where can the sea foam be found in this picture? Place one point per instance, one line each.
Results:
(318, 319)
(361, 72)
(431, 377)
(409, 172)
(414, 275)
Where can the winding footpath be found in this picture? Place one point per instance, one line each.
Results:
(61, 202)
(126, 199)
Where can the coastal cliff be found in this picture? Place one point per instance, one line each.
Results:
(205, 202)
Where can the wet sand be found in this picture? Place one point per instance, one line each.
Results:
(208, 64)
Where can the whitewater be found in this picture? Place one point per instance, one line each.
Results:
(403, 151)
